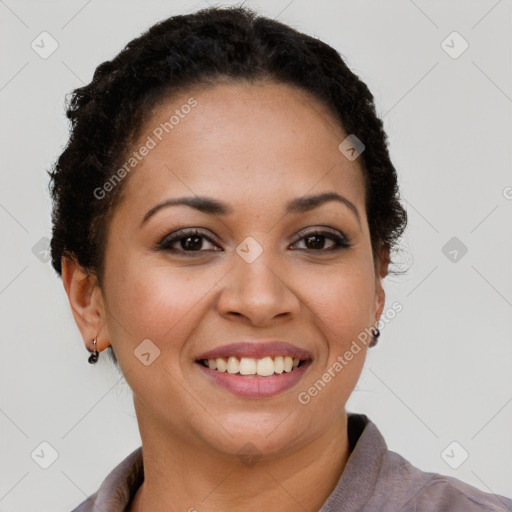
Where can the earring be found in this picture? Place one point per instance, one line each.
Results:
(376, 334)
(93, 358)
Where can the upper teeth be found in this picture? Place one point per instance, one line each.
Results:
(251, 366)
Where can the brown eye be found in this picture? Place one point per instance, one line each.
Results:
(189, 241)
(315, 241)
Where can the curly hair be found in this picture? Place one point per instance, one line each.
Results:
(198, 49)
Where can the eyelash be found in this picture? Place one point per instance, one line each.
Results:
(341, 242)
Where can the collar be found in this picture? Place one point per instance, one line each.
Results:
(353, 490)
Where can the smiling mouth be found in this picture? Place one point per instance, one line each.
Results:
(250, 366)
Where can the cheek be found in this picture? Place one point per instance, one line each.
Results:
(342, 304)
(344, 301)
(156, 302)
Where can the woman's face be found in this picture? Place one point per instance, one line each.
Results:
(253, 274)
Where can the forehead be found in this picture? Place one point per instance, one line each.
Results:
(262, 140)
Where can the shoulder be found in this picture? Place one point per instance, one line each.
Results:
(422, 491)
(447, 493)
(119, 486)
(88, 504)
(378, 479)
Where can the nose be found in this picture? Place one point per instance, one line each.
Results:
(259, 291)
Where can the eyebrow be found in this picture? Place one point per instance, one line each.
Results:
(214, 207)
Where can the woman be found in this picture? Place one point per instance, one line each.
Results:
(224, 215)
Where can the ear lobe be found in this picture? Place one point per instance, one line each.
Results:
(85, 299)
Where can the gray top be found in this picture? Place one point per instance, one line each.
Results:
(374, 479)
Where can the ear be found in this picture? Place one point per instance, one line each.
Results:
(86, 301)
(381, 271)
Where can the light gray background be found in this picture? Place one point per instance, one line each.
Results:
(442, 369)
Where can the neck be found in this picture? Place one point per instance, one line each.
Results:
(179, 477)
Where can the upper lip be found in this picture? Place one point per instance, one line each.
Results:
(257, 350)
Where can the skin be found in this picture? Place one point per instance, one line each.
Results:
(254, 146)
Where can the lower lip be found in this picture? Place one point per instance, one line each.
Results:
(250, 386)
